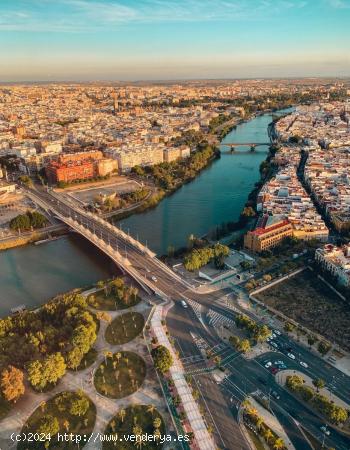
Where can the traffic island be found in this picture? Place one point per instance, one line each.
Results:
(120, 374)
(315, 396)
(263, 428)
(136, 420)
(65, 413)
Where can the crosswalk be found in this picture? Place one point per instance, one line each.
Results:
(197, 308)
(218, 320)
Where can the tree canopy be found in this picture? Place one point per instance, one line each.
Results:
(162, 358)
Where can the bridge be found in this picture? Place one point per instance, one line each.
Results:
(130, 255)
(252, 145)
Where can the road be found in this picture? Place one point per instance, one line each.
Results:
(194, 334)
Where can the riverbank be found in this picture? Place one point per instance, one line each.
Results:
(32, 237)
(162, 189)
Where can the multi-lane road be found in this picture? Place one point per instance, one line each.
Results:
(195, 330)
(247, 376)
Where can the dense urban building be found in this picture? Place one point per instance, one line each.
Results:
(336, 261)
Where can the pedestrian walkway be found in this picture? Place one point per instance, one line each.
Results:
(203, 440)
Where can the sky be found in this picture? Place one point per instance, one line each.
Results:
(83, 40)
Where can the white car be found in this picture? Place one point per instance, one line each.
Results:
(184, 304)
(325, 430)
(268, 364)
(278, 363)
(290, 355)
(273, 344)
(277, 332)
(154, 279)
(303, 364)
(273, 335)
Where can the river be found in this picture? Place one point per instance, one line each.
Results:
(217, 195)
(32, 274)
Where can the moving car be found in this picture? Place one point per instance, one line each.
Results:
(154, 278)
(268, 364)
(302, 363)
(274, 344)
(275, 394)
(184, 304)
(277, 332)
(325, 430)
(290, 355)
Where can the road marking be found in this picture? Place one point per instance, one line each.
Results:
(206, 405)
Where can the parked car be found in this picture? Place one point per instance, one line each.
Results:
(274, 344)
(268, 364)
(277, 332)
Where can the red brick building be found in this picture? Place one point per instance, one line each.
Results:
(67, 173)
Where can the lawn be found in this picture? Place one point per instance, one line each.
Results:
(4, 407)
(88, 359)
(310, 302)
(123, 425)
(110, 302)
(61, 410)
(120, 374)
(124, 328)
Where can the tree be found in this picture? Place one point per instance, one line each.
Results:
(311, 340)
(268, 435)
(323, 347)
(162, 358)
(248, 211)
(151, 409)
(244, 346)
(294, 382)
(137, 431)
(338, 415)
(12, 385)
(289, 327)
(122, 414)
(319, 383)
(278, 444)
(74, 358)
(157, 422)
(48, 425)
(79, 405)
(259, 423)
(50, 370)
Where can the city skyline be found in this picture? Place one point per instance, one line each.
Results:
(81, 40)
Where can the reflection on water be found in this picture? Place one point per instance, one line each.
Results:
(32, 274)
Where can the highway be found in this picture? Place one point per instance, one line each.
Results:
(194, 333)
